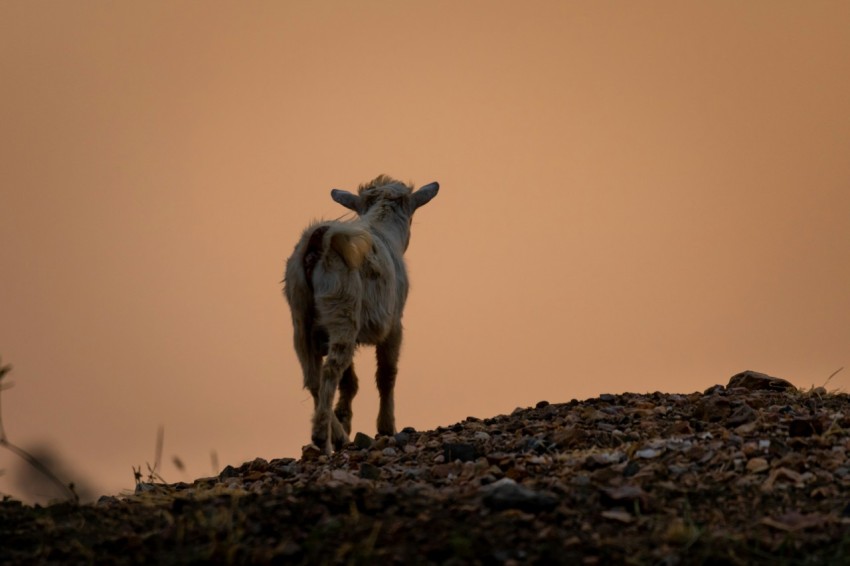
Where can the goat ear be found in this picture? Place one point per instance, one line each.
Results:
(346, 199)
(422, 196)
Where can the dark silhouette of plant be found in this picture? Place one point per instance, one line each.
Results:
(153, 471)
(67, 489)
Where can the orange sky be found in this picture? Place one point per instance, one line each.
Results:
(634, 197)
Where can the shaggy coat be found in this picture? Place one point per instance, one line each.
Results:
(346, 284)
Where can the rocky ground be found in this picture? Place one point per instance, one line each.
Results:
(753, 472)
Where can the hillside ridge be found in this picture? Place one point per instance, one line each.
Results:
(752, 472)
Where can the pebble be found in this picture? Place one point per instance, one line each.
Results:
(756, 465)
(459, 451)
(508, 494)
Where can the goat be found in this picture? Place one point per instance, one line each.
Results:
(346, 285)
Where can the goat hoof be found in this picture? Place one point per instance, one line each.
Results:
(323, 444)
(341, 441)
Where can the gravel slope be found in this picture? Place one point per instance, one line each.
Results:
(753, 472)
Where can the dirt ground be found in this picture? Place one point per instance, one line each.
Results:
(752, 472)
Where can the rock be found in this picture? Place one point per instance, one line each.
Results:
(618, 515)
(369, 472)
(570, 437)
(755, 381)
(756, 465)
(602, 459)
(343, 476)
(712, 408)
(648, 453)
(742, 414)
(363, 441)
(106, 500)
(309, 453)
(507, 494)
(228, 472)
(143, 487)
(626, 494)
(402, 438)
(459, 451)
(805, 427)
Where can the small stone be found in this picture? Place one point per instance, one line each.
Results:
(401, 439)
(618, 515)
(413, 473)
(363, 441)
(602, 459)
(106, 500)
(481, 435)
(459, 451)
(534, 444)
(756, 465)
(369, 472)
(570, 437)
(742, 414)
(648, 453)
(229, 472)
(507, 494)
(541, 404)
(311, 452)
(631, 469)
(676, 470)
(389, 451)
(680, 427)
(626, 494)
(679, 532)
(712, 408)
(805, 427)
(343, 476)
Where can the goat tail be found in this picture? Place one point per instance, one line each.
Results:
(352, 245)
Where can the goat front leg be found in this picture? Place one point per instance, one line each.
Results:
(387, 353)
(326, 427)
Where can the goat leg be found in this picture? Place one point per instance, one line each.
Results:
(387, 353)
(325, 424)
(347, 390)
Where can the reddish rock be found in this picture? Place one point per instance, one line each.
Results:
(755, 381)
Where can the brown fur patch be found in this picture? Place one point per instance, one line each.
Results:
(352, 247)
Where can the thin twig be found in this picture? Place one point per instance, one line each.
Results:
(832, 375)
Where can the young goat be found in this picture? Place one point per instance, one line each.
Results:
(346, 284)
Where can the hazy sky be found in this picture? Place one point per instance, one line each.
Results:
(635, 196)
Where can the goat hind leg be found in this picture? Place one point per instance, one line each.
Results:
(326, 427)
(387, 353)
(347, 390)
